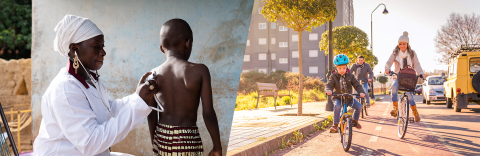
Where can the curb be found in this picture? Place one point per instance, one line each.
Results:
(274, 143)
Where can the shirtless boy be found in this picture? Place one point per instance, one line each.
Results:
(181, 85)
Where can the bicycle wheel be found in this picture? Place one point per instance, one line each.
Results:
(347, 134)
(402, 117)
(364, 106)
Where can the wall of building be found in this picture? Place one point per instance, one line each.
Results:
(131, 31)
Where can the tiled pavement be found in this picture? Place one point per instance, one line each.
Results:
(250, 126)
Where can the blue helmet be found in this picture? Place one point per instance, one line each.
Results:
(340, 59)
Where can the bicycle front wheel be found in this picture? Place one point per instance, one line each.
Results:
(347, 134)
(402, 118)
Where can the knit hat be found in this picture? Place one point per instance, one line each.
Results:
(404, 37)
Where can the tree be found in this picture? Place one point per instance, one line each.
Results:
(458, 30)
(300, 16)
(351, 41)
(383, 80)
(15, 28)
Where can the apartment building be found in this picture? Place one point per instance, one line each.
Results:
(271, 46)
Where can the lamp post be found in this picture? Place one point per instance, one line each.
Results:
(385, 11)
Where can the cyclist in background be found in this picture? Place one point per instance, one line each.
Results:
(364, 73)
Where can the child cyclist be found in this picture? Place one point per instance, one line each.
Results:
(341, 81)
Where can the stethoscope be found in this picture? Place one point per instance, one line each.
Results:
(97, 87)
(151, 77)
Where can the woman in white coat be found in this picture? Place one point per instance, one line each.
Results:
(78, 117)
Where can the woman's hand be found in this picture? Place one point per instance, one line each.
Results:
(144, 91)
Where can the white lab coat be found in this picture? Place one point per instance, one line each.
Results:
(76, 122)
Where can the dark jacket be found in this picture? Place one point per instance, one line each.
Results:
(333, 84)
(364, 74)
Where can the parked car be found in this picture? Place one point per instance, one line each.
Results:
(463, 79)
(432, 89)
(418, 89)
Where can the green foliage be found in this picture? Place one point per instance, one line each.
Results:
(300, 15)
(15, 28)
(283, 80)
(382, 79)
(348, 40)
(248, 101)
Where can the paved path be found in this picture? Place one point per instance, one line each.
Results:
(250, 126)
(441, 132)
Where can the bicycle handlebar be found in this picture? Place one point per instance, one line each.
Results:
(391, 73)
(346, 94)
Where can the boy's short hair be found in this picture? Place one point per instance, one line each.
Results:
(360, 56)
(175, 32)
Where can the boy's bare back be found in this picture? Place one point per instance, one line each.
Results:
(182, 85)
(180, 91)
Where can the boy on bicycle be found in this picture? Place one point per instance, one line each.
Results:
(341, 81)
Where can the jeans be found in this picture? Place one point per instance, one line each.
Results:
(367, 98)
(338, 107)
(395, 94)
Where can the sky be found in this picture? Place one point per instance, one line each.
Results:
(420, 18)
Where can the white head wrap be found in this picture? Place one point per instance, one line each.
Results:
(73, 29)
(404, 37)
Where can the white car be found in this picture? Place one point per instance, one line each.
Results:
(433, 89)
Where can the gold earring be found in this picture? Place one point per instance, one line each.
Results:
(75, 63)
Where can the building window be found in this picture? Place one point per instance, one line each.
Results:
(283, 60)
(282, 44)
(294, 54)
(282, 28)
(262, 70)
(313, 70)
(262, 25)
(262, 41)
(313, 53)
(313, 37)
(260, 10)
(246, 58)
(295, 70)
(248, 42)
(273, 56)
(245, 71)
(294, 38)
(272, 40)
(262, 56)
(273, 25)
(274, 70)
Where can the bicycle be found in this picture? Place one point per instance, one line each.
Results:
(345, 125)
(403, 112)
(364, 105)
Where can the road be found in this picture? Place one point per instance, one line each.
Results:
(441, 132)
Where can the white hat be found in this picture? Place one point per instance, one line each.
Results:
(73, 29)
(404, 37)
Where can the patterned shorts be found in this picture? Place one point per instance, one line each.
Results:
(177, 141)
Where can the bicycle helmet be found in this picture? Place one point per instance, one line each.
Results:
(340, 59)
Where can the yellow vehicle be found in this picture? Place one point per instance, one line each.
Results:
(463, 79)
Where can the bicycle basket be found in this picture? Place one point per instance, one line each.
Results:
(407, 79)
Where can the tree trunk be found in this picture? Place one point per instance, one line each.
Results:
(300, 93)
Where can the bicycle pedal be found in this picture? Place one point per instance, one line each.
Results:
(411, 119)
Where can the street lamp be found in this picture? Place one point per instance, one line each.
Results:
(385, 11)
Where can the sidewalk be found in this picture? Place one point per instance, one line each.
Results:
(254, 128)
